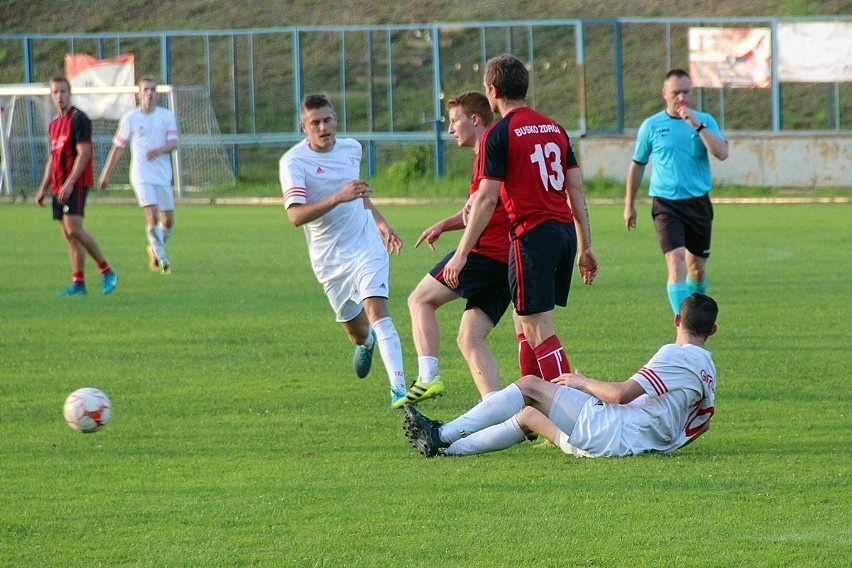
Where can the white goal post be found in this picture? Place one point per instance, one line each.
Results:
(26, 110)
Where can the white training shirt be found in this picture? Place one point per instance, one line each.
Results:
(679, 383)
(347, 230)
(144, 131)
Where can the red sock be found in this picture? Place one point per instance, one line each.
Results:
(78, 278)
(552, 358)
(527, 362)
(104, 267)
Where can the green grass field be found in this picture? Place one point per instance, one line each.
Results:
(241, 437)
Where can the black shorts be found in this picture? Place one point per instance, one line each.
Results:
(541, 264)
(75, 205)
(684, 223)
(483, 282)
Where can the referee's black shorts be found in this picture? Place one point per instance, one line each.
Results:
(684, 223)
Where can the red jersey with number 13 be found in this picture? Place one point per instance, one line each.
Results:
(529, 153)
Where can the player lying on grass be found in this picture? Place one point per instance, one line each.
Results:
(664, 406)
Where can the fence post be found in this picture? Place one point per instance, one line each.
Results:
(440, 162)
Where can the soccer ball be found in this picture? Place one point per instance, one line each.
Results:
(87, 410)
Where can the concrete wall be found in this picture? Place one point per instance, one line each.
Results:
(756, 158)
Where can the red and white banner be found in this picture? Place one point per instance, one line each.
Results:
(815, 52)
(87, 71)
(730, 57)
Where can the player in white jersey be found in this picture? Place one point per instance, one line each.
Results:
(151, 131)
(348, 238)
(664, 406)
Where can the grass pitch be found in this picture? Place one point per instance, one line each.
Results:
(241, 437)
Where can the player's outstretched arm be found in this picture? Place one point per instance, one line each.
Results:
(432, 234)
(482, 208)
(393, 242)
(617, 393)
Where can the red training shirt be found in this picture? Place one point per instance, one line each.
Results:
(65, 132)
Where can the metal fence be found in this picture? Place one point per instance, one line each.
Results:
(389, 82)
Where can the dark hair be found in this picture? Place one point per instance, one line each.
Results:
(509, 76)
(314, 101)
(61, 79)
(676, 73)
(473, 103)
(698, 314)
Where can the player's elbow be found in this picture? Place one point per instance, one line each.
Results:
(626, 392)
(293, 215)
(623, 397)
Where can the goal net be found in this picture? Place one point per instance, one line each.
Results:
(200, 161)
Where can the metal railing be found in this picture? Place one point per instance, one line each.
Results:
(389, 82)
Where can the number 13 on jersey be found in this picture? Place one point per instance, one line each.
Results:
(549, 160)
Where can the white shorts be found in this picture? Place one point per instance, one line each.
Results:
(366, 278)
(566, 407)
(159, 195)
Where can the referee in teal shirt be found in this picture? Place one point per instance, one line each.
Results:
(679, 141)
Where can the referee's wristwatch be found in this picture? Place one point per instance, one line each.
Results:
(701, 127)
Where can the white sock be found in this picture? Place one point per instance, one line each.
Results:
(497, 437)
(391, 350)
(497, 408)
(155, 237)
(427, 368)
(165, 232)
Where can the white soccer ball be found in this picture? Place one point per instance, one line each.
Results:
(87, 410)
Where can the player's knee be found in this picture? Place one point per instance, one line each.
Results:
(420, 300)
(468, 340)
(73, 233)
(526, 418)
(414, 301)
(533, 388)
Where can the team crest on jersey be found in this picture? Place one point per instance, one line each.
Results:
(320, 170)
(59, 142)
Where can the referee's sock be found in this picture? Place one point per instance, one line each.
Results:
(677, 293)
(692, 286)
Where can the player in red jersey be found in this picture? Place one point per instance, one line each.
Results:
(530, 167)
(482, 283)
(69, 172)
